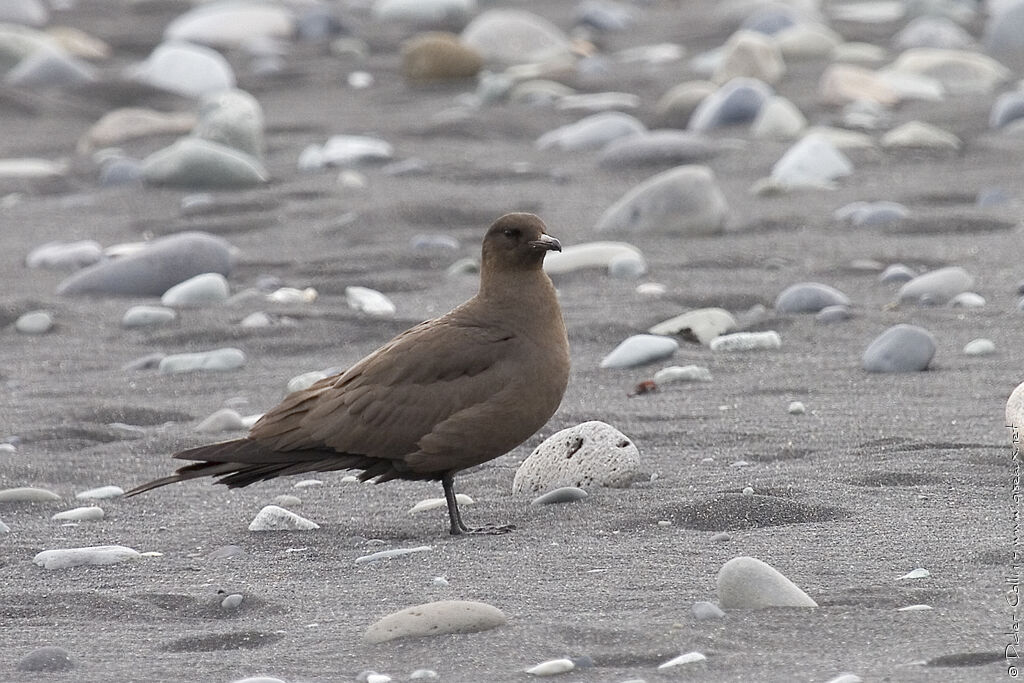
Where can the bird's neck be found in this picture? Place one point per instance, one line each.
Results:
(520, 293)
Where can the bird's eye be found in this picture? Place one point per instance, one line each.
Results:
(511, 233)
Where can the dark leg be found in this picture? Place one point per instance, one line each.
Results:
(457, 526)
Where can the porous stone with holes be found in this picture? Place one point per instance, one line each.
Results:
(588, 455)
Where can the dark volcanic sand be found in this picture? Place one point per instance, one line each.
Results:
(920, 463)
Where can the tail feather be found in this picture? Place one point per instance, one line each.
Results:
(241, 462)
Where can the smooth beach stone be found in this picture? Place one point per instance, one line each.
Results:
(199, 290)
(274, 518)
(34, 322)
(65, 255)
(101, 493)
(749, 54)
(369, 301)
(536, 92)
(49, 658)
(232, 118)
(737, 102)
(846, 678)
(897, 272)
(833, 314)
(185, 69)
(843, 83)
(811, 162)
(779, 119)
(32, 168)
(151, 361)
(684, 200)
(746, 341)
(639, 350)
(627, 267)
(305, 380)
(435, 503)
(345, 150)
(256, 320)
(749, 583)
(933, 31)
(979, 347)
(129, 123)
(286, 500)
(598, 101)
(513, 36)
(604, 15)
(960, 72)
(702, 324)
(232, 23)
(967, 300)
(147, 316)
(706, 611)
(657, 147)
(1008, 107)
(435, 619)
(591, 132)
(677, 105)
(53, 68)
(920, 135)
(809, 297)
(586, 455)
(807, 40)
(686, 658)
(232, 602)
(197, 163)
(89, 513)
(1003, 38)
(216, 360)
(682, 373)
(771, 18)
(589, 255)
(120, 171)
(426, 13)
(436, 56)
(27, 494)
(66, 558)
(936, 286)
(563, 494)
(155, 268)
(901, 348)
(552, 667)
(223, 420)
(394, 552)
(872, 214)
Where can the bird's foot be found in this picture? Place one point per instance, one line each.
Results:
(486, 530)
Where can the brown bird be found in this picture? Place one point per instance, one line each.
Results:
(445, 395)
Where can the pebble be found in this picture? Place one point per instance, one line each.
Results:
(82, 514)
(961, 72)
(596, 102)
(369, 301)
(426, 13)
(967, 300)
(814, 161)
(746, 341)
(435, 618)
(682, 373)
(563, 494)
(897, 272)
(49, 658)
(200, 290)
(901, 348)
(65, 255)
(980, 347)
(34, 322)
(809, 297)
(217, 360)
(796, 408)
(737, 102)
(232, 23)
(196, 163)
(51, 68)
(66, 558)
(1007, 108)
(305, 380)
(232, 602)
(591, 255)
(749, 583)
(676, 106)
(434, 503)
(274, 518)
(232, 118)
(424, 675)
(27, 494)
(841, 84)
(586, 455)
(150, 361)
(658, 147)
(436, 56)
(147, 316)
(919, 573)
(258, 679)
(256, 319)
(806, 40)
(706, 611)
(155, 268)
(129, 123)
(749, 54)
(32, 168)
(778, 119)
(293, 295)
(223, 420)
(639, 350)
(307, 483)
(702, 324)
(933, 31)
(186, 69)
(871, 214)
(687, 658)
(920, 135)
(552, 667)
(937, 286)
(846, 678)
(833, 314)
(685, 200)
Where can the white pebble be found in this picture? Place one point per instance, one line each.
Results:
(394, 552)
(919, 573)
(233, 601)
(914, 608)
(274, 518)
(306, 483)
(980, 347)
(287, 501)
(257, 319)
(101, 493)
(424, 675)
(305, 380)
(688, 658)
(640, 349)
(224, 420)
(147, 316)
(369, 301)
(434, 503)
(291, 295)
(967, 300)
(682, 373)
(796, 408)
(845, 678)
(552, 667)
(27, 494)
(34, 322)
(216, 360)
(748, 491)
(82, 514)
(653, 289)
(746, 341)
(207, 288)
(65, 558)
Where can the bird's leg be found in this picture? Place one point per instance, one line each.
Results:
(457, 526)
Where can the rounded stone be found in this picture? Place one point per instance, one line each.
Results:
(809, 297)
(46, 659)
(833, 314)
(706, 611)
(34, 322)
(199, 290)
(563, 494)
(685, 200)
(438, 56)
(901, 348)
(216, 360)
(676, 106)
(515, 36)
(1003, 38)
(435, 619)
(1007, 108)
(233, 118)
(639, 350)
(147, 316)
(749, 54)
(65, 255)
(701, 324)
(591, 132)
(232, 23)
(980, 347)
(657, 147)
(814, 161)
(779, 119)
(936, 286)
(749, 583)
(193, 162)
(587, 455)
(737, 102)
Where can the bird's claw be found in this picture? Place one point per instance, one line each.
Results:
(486, 530)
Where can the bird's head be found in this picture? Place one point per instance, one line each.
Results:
(517, 240)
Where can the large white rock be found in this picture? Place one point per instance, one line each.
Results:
(587, 455)
(435, 619)
(682, 200)
(230, 23)
(704, 324)
(749, 583)
(811, 162)
(186, 69)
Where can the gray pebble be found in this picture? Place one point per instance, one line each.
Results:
(34, 322)
(936, 286)
(223, 420)
(232, 602)
(216, 360)
(737, 102)
(28, 494)
(150, 361)
(967, 300)
(564, 494)
(897, 272)
(659, 147)
(101, 493)
(4, 529)
(809, 297)
(199, 290)
(901, 348)
(49, 658)
(591, 132)
(435, 618)
(749, 583)
(833, 314)
(705, 611)
(147, 316)
(65, 255)
(682, 200)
